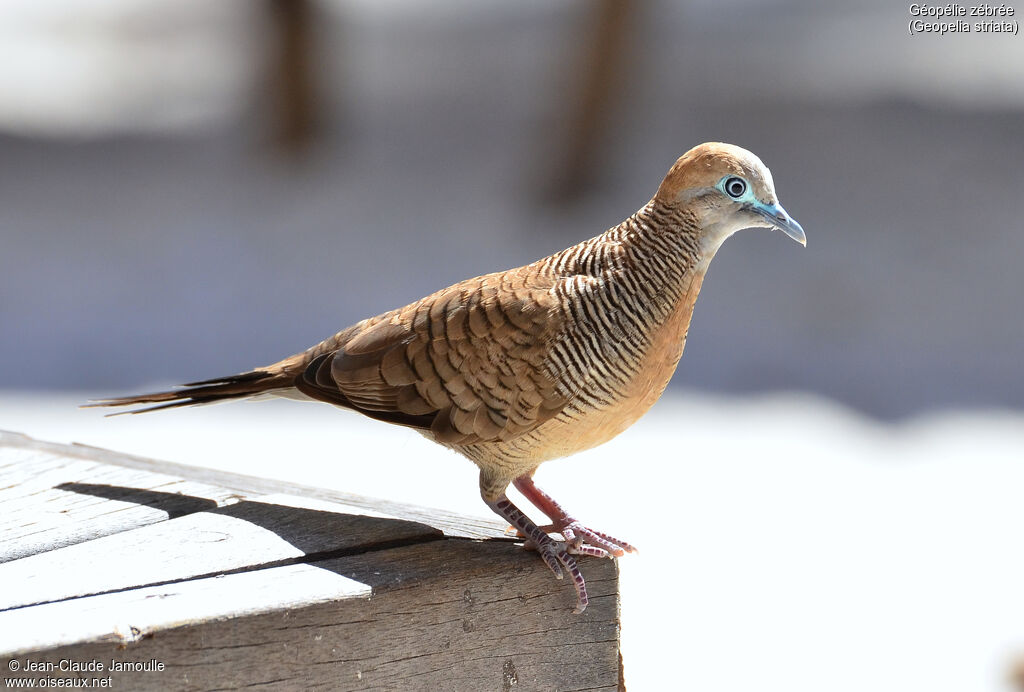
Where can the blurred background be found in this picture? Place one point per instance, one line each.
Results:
(189, 189)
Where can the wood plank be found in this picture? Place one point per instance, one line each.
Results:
(445, 615)
(240, 536)
(45, 508)
(125, 617)
(451, 523)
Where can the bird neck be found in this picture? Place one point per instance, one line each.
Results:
(656, 255)
(660, 249)
(672, 231)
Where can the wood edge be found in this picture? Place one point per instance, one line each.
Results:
(453, 524)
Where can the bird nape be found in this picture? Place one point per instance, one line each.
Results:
(538, 362)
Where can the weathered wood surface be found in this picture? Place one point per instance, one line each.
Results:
(127, 616)
(245, 535)
(451, 523)
(38, 515)
(226, 586)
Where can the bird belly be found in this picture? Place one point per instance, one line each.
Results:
(566, 434)
(570, 432)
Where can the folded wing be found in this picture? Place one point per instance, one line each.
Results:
(466, 364)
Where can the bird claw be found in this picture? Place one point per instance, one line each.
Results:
(584, 541)
(558, 556)
(579, 540)
(584, 549)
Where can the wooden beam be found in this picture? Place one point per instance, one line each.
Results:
(199, 586)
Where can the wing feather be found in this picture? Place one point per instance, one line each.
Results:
(467, 363)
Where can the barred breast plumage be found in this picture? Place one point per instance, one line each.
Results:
(542, 361)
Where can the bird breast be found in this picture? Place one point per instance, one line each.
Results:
(612, 364)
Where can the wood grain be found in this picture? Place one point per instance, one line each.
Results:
(253, 584)
(245, 535)
(451, 523)
(42, 512)
(447, 615)
(124, 617)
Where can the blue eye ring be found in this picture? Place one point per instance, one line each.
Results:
(734, 186)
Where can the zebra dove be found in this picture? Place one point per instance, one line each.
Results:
(518, 367)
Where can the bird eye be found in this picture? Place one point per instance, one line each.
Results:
(735, 187)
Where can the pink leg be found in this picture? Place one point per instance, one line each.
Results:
(597, 543)
(553, 552)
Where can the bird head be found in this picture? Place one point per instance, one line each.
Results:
(728, 189)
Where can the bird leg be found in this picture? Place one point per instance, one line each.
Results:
(554, 553)
(597, 543)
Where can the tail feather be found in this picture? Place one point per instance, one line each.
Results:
(239, 386)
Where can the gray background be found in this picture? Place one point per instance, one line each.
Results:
(150, 234)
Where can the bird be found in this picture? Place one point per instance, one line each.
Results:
(518, 367)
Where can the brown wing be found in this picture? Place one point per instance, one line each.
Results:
(466, 363)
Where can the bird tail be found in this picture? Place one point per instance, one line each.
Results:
(243, 385)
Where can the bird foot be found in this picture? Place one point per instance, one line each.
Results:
(556, 554)
(580, 540)
(584, 541)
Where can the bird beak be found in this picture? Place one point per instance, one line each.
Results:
(778, 218)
